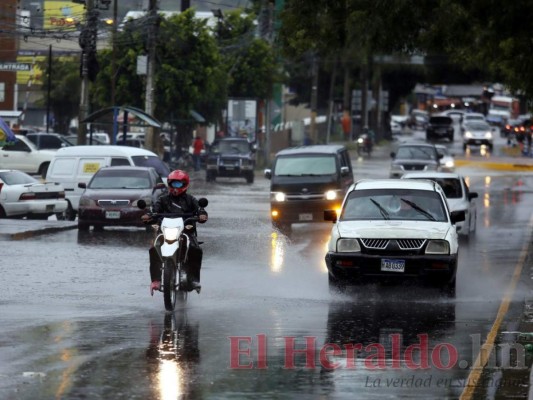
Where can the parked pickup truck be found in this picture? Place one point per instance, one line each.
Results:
(24, 156)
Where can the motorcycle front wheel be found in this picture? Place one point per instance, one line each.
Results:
(181, 295)
(169, 285)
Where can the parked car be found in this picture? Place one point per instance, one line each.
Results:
(440, 127)
(110, 198)
(393, 230)
(48, 141)
(22, 195)
(458, 195)
(477, 133)
(307, 180)
(447, 161)
(232, 157)
(414, 157)
(24, 156)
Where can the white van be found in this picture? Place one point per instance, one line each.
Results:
(77, 164)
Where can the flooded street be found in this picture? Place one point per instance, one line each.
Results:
(78, 320)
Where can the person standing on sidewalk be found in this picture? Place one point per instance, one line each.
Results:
(197, 147)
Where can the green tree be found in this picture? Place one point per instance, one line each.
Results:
(65, 87)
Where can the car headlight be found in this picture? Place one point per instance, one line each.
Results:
(331, 194)
(86, 202)
(449, 164)
(279, 196)
(468, 134)
(348, 246)
(488, 135)
(438, 247)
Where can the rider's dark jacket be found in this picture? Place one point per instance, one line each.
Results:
(185, 203)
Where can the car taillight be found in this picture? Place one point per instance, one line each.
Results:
(27, 196)
(507, 126)
(522, 129)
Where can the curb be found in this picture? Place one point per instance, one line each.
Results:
(31, 233)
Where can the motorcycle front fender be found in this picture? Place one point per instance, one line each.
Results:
(168, 249)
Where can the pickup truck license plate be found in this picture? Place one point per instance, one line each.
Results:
(305, 217)
(392, 265)
(112, 214)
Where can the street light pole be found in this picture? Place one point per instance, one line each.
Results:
(149, 106)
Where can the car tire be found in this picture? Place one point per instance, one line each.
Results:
(283, 227)
(464, 147)
(451, 138)
(209, 176)
(250, 177)
(83, 226)
(43, 169)
(490, 146)
(2, 212)
(449, 289)
(68, 215)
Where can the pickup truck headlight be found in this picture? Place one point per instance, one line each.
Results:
(438, 247)
(348, 246)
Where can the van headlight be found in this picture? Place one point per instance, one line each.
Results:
(331, 194)
(348, 246)
(279, 196)
(438, 247)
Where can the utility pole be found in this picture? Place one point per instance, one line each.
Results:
(49, 88)
(150, 141)
(87, 42)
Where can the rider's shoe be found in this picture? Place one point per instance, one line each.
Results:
(183, 278)
(155, 285)
(195, 285)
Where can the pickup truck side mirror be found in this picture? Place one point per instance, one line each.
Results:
(330, 215)
(82, 185)
(345, 171)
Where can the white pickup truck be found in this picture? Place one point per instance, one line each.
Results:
(24, 156)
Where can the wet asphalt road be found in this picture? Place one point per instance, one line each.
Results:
(78, 321)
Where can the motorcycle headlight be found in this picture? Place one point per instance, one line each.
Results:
(438, 247)
(348, 246)
(279, 196)
(360, 140)
(170, 234)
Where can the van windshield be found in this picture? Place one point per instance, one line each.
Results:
(305, 165)
(152, 161)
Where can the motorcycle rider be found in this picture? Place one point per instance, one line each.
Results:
(177, 200)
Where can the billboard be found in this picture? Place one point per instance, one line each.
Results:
(62, 14)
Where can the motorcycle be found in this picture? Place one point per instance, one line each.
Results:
(172, 245)
(364, 143)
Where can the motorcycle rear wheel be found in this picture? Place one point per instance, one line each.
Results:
(169, 285)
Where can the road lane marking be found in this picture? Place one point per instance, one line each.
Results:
(486, 350)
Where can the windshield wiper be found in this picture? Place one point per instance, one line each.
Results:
(419, 209)
(383, 212)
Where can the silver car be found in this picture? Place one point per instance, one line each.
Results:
(477, 133)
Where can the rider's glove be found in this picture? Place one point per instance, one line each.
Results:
(202, 217)
(146, 218)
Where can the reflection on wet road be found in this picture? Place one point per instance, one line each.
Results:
(80, 322)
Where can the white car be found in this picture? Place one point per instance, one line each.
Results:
(24, 196)
(24, 156)
(477, 134)
(459, 197)
(447, 162)
(472, 117)
(393, 230)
